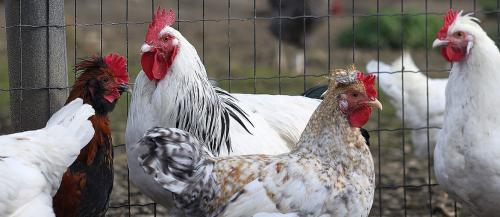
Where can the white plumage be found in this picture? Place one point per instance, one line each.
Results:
(467, 154)
(281, 118)
(415, 98)
(266, 214)
(32, 163)
(185, 99)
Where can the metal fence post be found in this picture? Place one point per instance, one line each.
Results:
(36, 46)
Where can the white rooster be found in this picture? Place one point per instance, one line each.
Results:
(173, 90)
(467, 154)
(330, 173)
(415, 98)
(32, 163)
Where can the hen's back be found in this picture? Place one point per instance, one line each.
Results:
(32, 162)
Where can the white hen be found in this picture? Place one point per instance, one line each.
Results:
(173, 90)
(32, 163)
(415, 98)
(467, 154)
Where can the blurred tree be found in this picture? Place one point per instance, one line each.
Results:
(489, 7)
(390, 31)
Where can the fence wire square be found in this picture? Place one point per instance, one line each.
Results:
(233, 39)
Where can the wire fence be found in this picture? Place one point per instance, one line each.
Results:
(234, 42)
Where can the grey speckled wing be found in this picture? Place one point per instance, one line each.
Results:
(181, 165)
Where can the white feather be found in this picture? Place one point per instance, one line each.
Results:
(279, 120)
(467, 154)
(32, 163)
(415, 98)
(309, 194)
(266, 214)
(255, 198)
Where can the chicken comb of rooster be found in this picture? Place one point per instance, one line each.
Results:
(160, 20)
(449, 18)
(118, 65)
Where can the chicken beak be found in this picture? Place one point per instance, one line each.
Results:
(439, 43)
(375, 104)
(146, 48)
(124, 88)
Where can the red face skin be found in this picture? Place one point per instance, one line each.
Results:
(112, 93)
(110, 87)
(355, 105)
(456, 49)
(157, 61)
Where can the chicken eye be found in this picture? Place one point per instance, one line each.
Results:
(354, 95)
(166, 38)
(460, 34)
(105, 79)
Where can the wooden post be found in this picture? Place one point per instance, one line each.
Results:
(36, 48)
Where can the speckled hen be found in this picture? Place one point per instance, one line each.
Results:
(330, 173)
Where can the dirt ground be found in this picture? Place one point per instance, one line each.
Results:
(230, 52)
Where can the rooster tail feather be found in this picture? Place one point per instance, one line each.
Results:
(229, 102)
(180, 164)
(233, 110)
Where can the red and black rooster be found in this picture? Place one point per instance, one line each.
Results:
(86, 185)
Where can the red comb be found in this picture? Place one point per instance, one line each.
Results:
(118, 66)
(160, 20)
(369, 83)
(449, 18)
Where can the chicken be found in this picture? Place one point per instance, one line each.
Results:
(415, 98)
(173, 90)
(86, 185)
(294, 30)
(330, 173)
(32, 163)
(467, 154)
(317, 92)
(289, 26)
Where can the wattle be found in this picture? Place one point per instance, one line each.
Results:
(359, 117)
(147, 61)
(155, 65)
(111, 96)
(453, 53)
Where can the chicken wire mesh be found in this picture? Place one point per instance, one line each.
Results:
(240, 53)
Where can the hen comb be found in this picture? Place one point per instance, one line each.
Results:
(118, 66)
(160, 20)
(449, 18)
(369, 83)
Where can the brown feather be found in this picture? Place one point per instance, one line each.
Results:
(68, 199)
(72, 185)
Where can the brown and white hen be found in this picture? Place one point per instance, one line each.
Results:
(330, 173)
